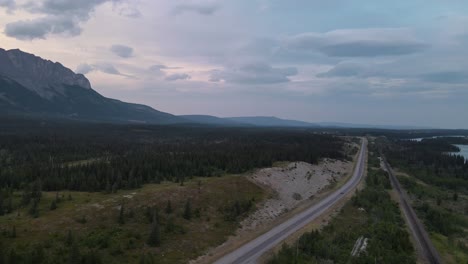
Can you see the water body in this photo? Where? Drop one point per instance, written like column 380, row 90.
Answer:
column 463, row 151
column 463, row 148
column 419, row 139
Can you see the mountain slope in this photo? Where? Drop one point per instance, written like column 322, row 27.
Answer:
column 270, row 121
column 30, row 85
column 212, row 120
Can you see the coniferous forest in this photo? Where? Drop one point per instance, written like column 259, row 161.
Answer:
column 107, row 158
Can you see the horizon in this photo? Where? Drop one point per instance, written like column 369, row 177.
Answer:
column 382, row 64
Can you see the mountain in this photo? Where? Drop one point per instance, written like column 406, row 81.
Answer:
column 30, row 85
column 270, row 121
column 212, row 120
column 351, row 125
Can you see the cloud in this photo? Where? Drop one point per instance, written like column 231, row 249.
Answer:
column 448, row 77
column 357, row 42
column 84, row 68
column 8, row 4
column 127, row 10
column 255, row 73
column 102, row 67
column 122, row 51
column 60, row 17
column 162, row 67
column 343, row 70
column 177, row 76
column 205, row 9
column 38, row 28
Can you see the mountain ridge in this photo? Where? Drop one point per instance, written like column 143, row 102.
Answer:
column 30, row 85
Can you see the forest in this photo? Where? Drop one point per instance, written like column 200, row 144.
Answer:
column 107, row 158
column 429, row 161
column 437, row 184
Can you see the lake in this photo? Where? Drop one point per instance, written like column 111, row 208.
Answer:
column 463, row 151
column 463, row 148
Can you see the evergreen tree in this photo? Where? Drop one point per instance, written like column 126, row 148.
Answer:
column 170, row 227
column 121, row 215
column 12, row 257
column 9, row 206
column 74, row 255
column 146, row 259
column 37, row 255
column 1, row 204
column 114, row 187
column 108, row 188
column 154, row 238
column 187, row 210
column 53, row 205
column 69, row 240
column 34, row 211
column 169, row 207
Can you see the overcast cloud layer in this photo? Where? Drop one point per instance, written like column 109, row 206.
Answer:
column 399, row 62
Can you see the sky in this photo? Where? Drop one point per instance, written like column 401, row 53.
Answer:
column 357, row 61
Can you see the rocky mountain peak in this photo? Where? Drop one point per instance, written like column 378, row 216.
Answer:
column 44, row 77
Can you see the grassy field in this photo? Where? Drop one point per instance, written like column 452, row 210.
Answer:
column 444, row 216
column 93, row 219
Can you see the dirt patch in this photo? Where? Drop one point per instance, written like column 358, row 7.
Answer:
column 291, row 185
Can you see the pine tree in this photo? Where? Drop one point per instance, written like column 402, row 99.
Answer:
column 114, row 187
column 34, row 211
column 108, row 187
column 187, row 211
column 74, row 256
column 121, row 215
column 9, row 206
column 53, row 205
column 146, row 259
column 169, row 207
column 69, row 240
column 1, row 204
column 154, row 238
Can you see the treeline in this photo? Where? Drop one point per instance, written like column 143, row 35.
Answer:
column 134, row 156
column 429, row 161
column 371, row 214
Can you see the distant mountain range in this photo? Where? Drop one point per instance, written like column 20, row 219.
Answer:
column 259, row 121
column 35, row 87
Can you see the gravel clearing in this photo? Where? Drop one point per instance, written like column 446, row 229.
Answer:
column 292, row 184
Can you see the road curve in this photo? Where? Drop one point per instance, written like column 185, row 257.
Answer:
column 417, row 229
column 251, row 251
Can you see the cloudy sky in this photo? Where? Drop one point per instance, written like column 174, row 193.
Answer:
column 363, row 61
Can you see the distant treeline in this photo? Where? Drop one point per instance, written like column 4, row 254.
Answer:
column 107, row 157
column 429, row 161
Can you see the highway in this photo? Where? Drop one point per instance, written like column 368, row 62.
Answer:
column 253, row 250
column 417, row 229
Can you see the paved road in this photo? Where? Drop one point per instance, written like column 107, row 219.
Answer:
column 417, row 229
column 250, row 252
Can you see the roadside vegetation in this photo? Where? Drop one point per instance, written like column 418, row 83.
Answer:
column 437, row 185
column 158, row 223
column 371, row 215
